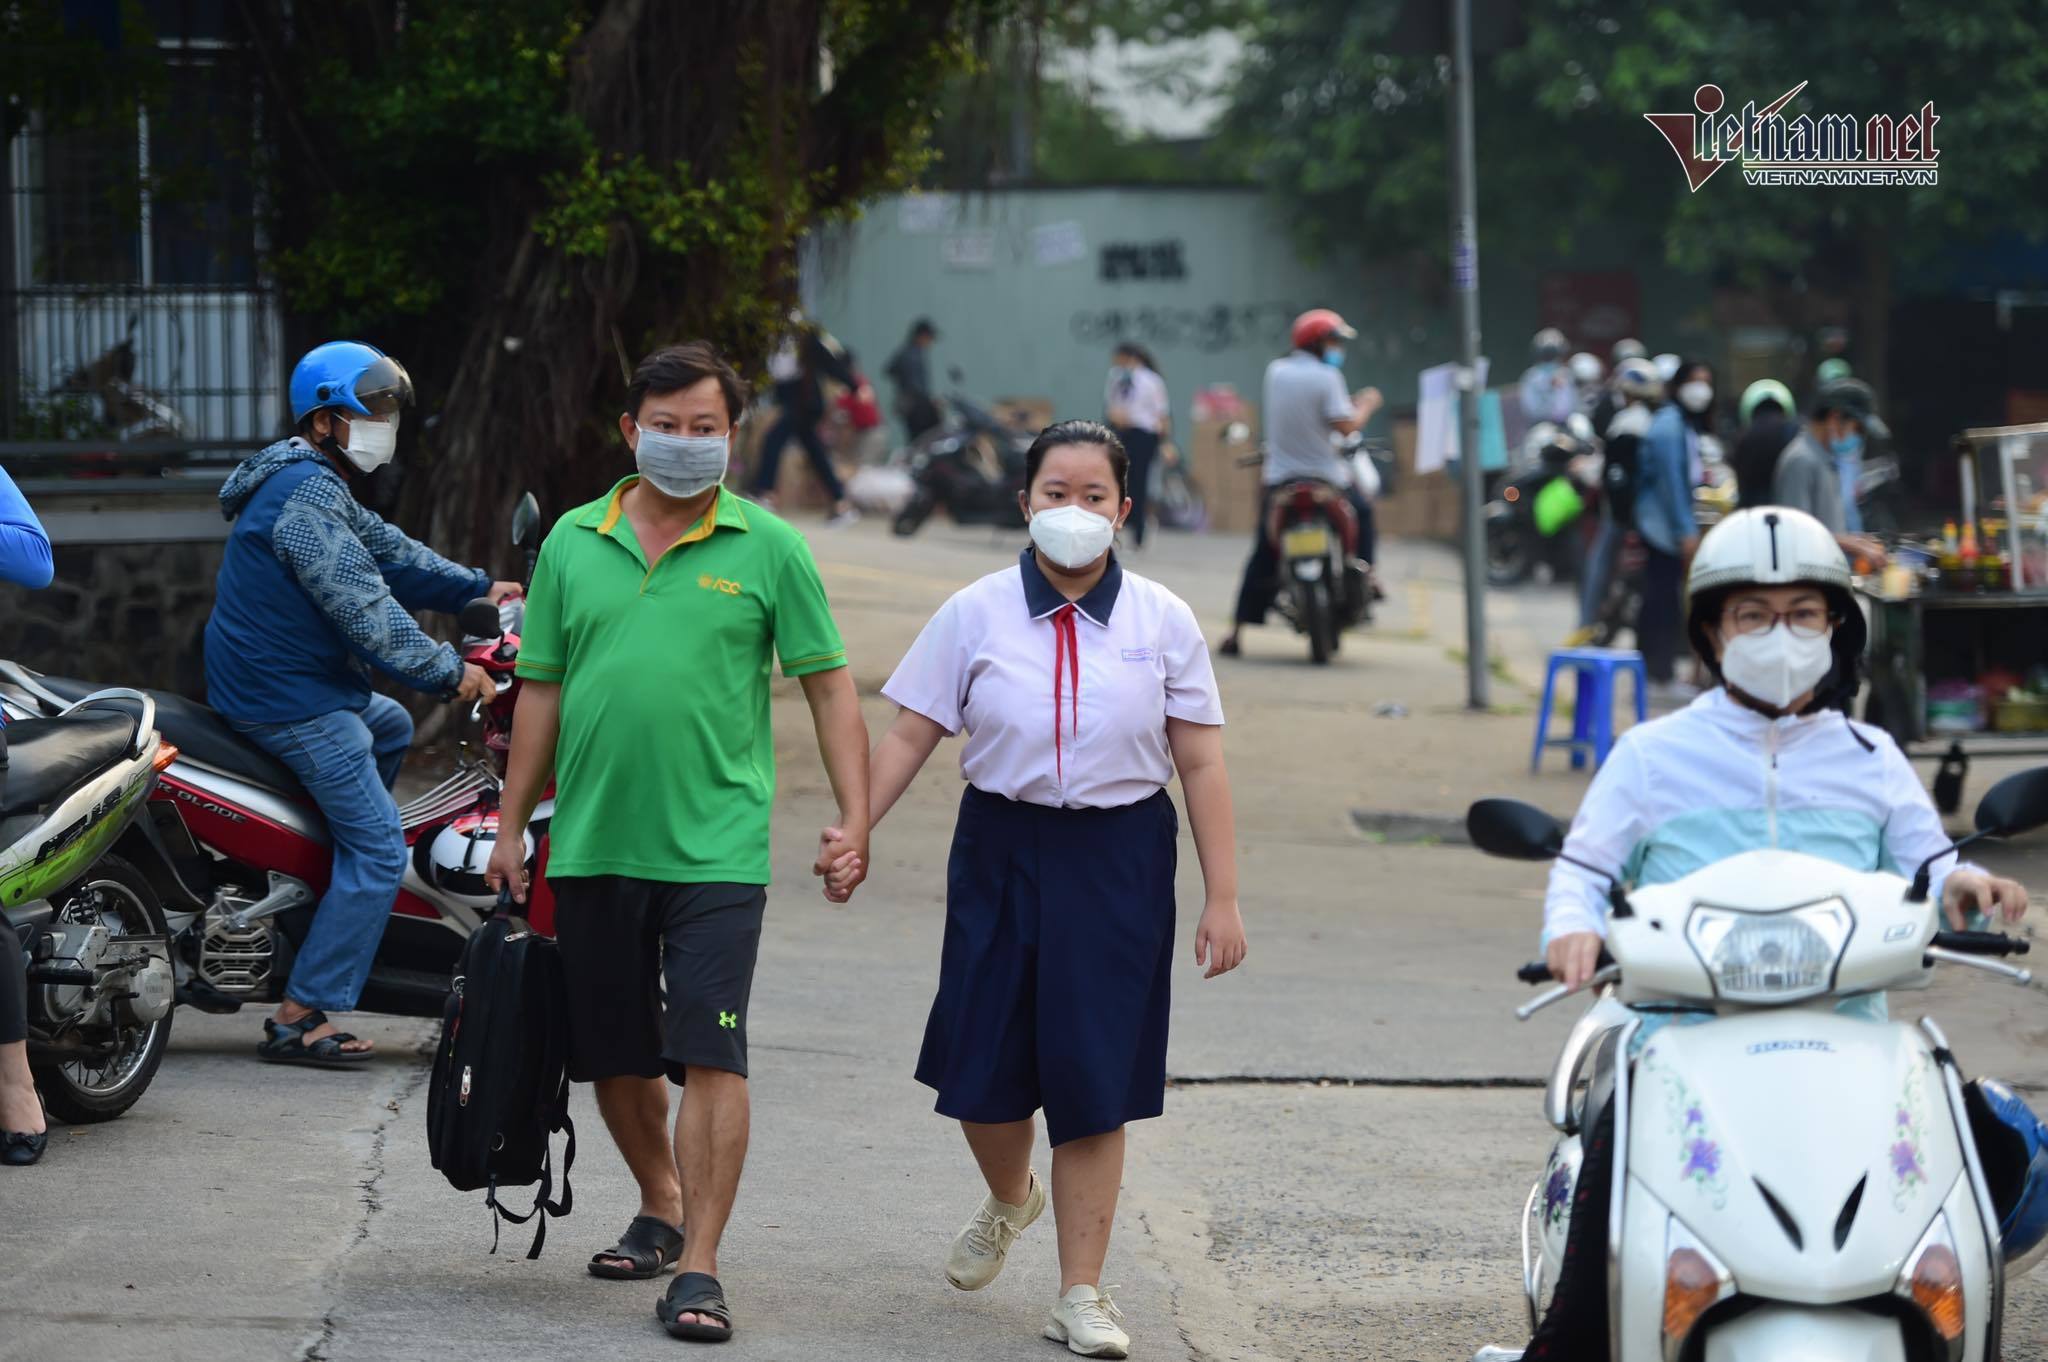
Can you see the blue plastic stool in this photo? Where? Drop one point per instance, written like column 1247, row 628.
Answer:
column 1592, row 702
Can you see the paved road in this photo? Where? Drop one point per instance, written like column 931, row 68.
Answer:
column 1328, row 1181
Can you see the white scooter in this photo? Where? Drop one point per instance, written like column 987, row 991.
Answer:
column 1787, row 1182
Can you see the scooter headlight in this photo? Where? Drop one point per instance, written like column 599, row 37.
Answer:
column 1694, row 1283
column 1933, row 1280
column 1771, row 957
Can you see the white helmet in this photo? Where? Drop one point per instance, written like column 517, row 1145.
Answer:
column 1776, row 546
column 1586, row 367
column 456, row 857
column 1666, row 365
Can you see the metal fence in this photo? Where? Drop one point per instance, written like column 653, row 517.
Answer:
column 138, row 328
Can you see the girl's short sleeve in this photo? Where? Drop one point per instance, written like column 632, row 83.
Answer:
column 932, row 677
column 1191, row 692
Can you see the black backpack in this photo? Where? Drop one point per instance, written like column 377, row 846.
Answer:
column 500, row 1085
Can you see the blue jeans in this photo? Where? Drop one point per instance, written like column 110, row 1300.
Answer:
column 348, row 762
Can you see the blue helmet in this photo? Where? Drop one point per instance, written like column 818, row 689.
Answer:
column 351, row 376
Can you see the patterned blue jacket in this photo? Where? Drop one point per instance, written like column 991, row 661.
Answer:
column 314, row 589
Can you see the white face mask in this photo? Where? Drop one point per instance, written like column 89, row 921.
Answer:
column 371, row 443
column 1777, row 666
column 681, row 466
column 1696, row 396
column 1072, row 536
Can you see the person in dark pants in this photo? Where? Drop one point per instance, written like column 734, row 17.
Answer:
column 1140, row 413
column 799, row 366
column 910, row 370
column 1664, row 518
column 1054, row 978
column 24, row 559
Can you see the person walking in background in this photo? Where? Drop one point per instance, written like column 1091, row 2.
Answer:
column 799, row 366
column 1767, row 427
column 314, row 590
column 1808, row 472
column 1664, row 518
column 1634, row 384
column 1305, row 406
column 1140, row 413
column 655, row 613
column 1056, row 971
column 24, row 1130
column 909, row 370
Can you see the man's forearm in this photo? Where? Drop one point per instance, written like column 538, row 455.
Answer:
column 842, row 743
column 536, row 724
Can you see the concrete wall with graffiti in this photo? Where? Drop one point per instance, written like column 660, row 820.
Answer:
column 1031, row 288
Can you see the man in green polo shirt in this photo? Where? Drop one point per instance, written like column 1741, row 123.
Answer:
column 653, row 617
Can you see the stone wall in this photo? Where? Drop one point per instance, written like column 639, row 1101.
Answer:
column 131, row 614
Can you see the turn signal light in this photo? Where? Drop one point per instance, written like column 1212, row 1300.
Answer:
column 1511, row 493
column 1938, row 1290
column 165, row 755
column 1692, row 1285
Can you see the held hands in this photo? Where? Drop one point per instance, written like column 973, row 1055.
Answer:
column 842, row 863
column 1991, row 895
column 507, row 866
column 1219, row 939
column 501, row 591
column 1573, row 957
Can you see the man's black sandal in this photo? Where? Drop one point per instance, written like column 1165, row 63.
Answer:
column 652, row 1246
column 285, row 1043
column 695, row 1293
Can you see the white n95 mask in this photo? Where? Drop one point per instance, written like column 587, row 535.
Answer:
column 1072, row 536
column 1777, row 666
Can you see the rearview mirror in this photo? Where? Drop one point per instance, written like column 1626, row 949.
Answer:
column 2018, row 803
column 1510, row 828
column 525, row 517
column 479, row 619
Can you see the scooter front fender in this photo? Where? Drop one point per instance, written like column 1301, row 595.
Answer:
column 1779, row 1333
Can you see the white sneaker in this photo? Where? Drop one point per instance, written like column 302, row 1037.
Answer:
column 1088, row 1322
column 979, row 1251
column 839, row 520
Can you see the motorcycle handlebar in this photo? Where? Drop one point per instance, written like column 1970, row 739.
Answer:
column 1538, row 971
column 1982, row 943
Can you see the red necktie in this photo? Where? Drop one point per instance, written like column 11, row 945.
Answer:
column 1066, row 648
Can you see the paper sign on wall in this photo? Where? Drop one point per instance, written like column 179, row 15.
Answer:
column 975, row 250
column 1058, row 243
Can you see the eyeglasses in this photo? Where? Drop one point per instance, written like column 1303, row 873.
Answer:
column 1805, row 621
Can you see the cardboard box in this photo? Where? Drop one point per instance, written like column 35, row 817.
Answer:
column 1231, row 494
column 1024, row 413
column 1424, row 505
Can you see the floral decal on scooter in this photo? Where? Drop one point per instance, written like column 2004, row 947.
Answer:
column 1557, row 1194
column 1909, row 1168
column 1699, row 1151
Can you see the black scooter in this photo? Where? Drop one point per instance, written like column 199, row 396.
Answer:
column 972, row 466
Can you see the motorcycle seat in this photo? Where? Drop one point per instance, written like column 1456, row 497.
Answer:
column 199, row 733
column 48, row 758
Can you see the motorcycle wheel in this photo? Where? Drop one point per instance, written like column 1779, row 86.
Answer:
column 914, row 513
column 1510, row 557
column 1319, row 622
column 84, row 1091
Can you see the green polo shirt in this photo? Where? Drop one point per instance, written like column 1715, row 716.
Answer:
column 665, row 769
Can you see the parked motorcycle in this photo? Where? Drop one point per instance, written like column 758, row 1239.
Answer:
column 81, row 863
column 1786, row 1181
column 972, row 466
column 1536, row 520
column 251, row 849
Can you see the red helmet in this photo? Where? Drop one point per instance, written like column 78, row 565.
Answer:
column 1318, row 325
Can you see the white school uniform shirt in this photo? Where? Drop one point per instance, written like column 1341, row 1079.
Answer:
column 1142, row 395
column 1003, row 654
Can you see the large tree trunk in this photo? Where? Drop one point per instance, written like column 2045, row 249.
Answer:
column 1871, row 340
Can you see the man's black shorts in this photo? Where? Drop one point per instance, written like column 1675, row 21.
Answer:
column 622, row 940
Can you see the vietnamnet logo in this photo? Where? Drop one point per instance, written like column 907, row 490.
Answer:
column 1834, row 149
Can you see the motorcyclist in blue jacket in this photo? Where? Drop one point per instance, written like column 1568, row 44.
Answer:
column 315, row 592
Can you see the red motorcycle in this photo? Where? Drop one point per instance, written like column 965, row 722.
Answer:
column 249, row 851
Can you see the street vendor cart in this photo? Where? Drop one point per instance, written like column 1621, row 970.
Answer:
column 1959, row 624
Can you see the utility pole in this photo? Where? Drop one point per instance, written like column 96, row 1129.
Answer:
column 1465, row 284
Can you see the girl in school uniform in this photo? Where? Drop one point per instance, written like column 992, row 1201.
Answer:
column 1082, row 689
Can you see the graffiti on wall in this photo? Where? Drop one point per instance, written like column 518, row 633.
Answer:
column 1143, row 260
column 1219, row 326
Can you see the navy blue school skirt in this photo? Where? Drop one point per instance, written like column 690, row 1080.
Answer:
column 1054, row 980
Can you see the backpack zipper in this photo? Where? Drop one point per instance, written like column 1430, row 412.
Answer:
column 464, row 1101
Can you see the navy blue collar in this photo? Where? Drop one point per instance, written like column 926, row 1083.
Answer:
column 1041, row 597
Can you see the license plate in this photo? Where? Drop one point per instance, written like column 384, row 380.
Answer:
column 1305, row 543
